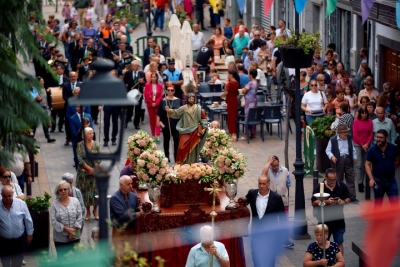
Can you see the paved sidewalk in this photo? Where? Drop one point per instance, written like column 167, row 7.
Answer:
column 56, row 159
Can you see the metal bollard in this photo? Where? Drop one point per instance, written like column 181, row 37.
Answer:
column 315, row 178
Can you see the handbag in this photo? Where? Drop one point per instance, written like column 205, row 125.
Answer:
column 243, row 102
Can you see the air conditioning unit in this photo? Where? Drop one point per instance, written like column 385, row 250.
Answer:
column 353, row 62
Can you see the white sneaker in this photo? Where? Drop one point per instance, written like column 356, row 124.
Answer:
column 23, row 263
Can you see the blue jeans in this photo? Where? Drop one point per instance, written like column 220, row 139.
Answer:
column 310, row 119
column 159, row 18
column 385, row 186
column 337, row 235
column 21, row 181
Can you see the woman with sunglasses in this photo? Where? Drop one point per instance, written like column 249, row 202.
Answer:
column 168, row 125
column 313, row 103
column 66, row 218
column 363, row 132
column 369, row 89
column 5, row 178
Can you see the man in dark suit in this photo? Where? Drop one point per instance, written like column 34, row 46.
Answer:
column 68, row 90
column 148, row 51
column 84, row 68
column 77, row 128
column 269, row 230
column 134, row 79
column 85, row 52
column 111, row 112
column 117, row 54
column 59, row 81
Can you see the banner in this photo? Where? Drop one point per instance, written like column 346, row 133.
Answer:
column 267, row 6
column 299, row 5
column 330, row 7
column 241, row 4
column 366, row 6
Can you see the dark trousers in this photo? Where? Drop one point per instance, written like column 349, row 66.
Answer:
column 112, row 113
column 63, row 248
column 45, row 130
column 139, row 114
column 167, row 137
column 74, row 145
column 212, row 22
column 21, row 181
column 61, row 114
column 200, row 17
column 68, row 134
column 12, row 251
column 94, row 112
column 345, row 170
column 129, row 113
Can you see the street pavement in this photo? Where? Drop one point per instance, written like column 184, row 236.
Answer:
column 55, row 159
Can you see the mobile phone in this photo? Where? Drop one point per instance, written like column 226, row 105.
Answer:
column 335, row 198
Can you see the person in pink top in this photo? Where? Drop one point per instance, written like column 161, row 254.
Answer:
column 339, row 100
column 363, row 132
column 153, row 94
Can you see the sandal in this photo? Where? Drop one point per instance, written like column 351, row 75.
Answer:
column 87, row 218
column 243, row 138
column 96, row 216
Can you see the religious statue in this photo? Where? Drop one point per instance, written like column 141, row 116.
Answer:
column 192, row 127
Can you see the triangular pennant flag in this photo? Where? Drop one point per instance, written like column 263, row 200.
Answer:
column 366, row 6
column 381, row 220
column 299, row 5
column 241, row 4
column 398, row 13
column 330, row 7
column 267, row 6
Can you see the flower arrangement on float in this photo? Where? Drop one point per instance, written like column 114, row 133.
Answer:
column 196, row 171
column 139, row 143
column 229, row 166
column 152, row 168
column 216, row 140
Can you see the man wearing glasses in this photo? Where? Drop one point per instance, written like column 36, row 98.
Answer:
column 381, row 122
column 381, row 163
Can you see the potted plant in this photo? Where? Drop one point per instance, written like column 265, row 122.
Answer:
column 229, row 166
column 322, row 130
column 297, row 51
column 39, row 209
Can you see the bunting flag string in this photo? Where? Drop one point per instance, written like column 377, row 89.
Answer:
column 398, row 13
column 267, row 6
column 299, row 5
column 366, row 6
column 330, row 7
column 241, row 4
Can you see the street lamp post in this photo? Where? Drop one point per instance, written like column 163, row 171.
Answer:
column 103, row 89
column 149, row 32
column 300, row 222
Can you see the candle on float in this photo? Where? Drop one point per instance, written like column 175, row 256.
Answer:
column 321, row 189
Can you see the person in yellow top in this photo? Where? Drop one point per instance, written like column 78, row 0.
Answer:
column 217, row 7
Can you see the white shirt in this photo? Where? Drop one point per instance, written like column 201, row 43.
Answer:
column 261, row 77
column 20, row 158
column 287, row 31
column 261, row 204
column 197, row 40
column 314, row 101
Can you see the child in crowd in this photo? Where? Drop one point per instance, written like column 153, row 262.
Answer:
column 371, row 110
column 329, row 106
column 66, row 12
column 245, row 50
column 352, row 98
column 339, row 100
column 229, row 57
column 215, row 79
column 90, row 13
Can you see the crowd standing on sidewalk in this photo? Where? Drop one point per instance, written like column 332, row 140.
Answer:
column 358, row 151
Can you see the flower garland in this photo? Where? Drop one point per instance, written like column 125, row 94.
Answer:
column 139, row 143
column 216, row 140
column 196, row 171
column 229, row 165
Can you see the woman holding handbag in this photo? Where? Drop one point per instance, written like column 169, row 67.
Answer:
column 153, row 93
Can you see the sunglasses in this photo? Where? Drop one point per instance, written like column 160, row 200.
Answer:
column 5, row 176
column 313, row 85
column 368, row 84
column 169, row 90
column 62, row 189
column 363, row 113
column 330, row 64
column 256, row 35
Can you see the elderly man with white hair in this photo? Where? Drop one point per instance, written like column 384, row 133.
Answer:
column 199, row 255
column 135, row 79
column 124, row 210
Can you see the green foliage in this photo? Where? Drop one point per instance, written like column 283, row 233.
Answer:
column 129, row 14
column 18, row 111
column 39, row 203
column 322, row 127
column 307, row 41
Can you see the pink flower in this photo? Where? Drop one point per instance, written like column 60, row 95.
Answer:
column 142, row 143
column 141, row 162
column 216, row 135
column 223, row 141
column 237, row 173
column 230, row 170
column 156, row 161
column 212, row 139
column 162, row 171
column 197, row 176
column 221, row 164
column 145, row 177
column 221, row 170
column 159, row 177
column 225, row 152
column 152, row 171
column 228, row 162
column 136, row 151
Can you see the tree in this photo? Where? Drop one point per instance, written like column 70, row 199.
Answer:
column 18, row 112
